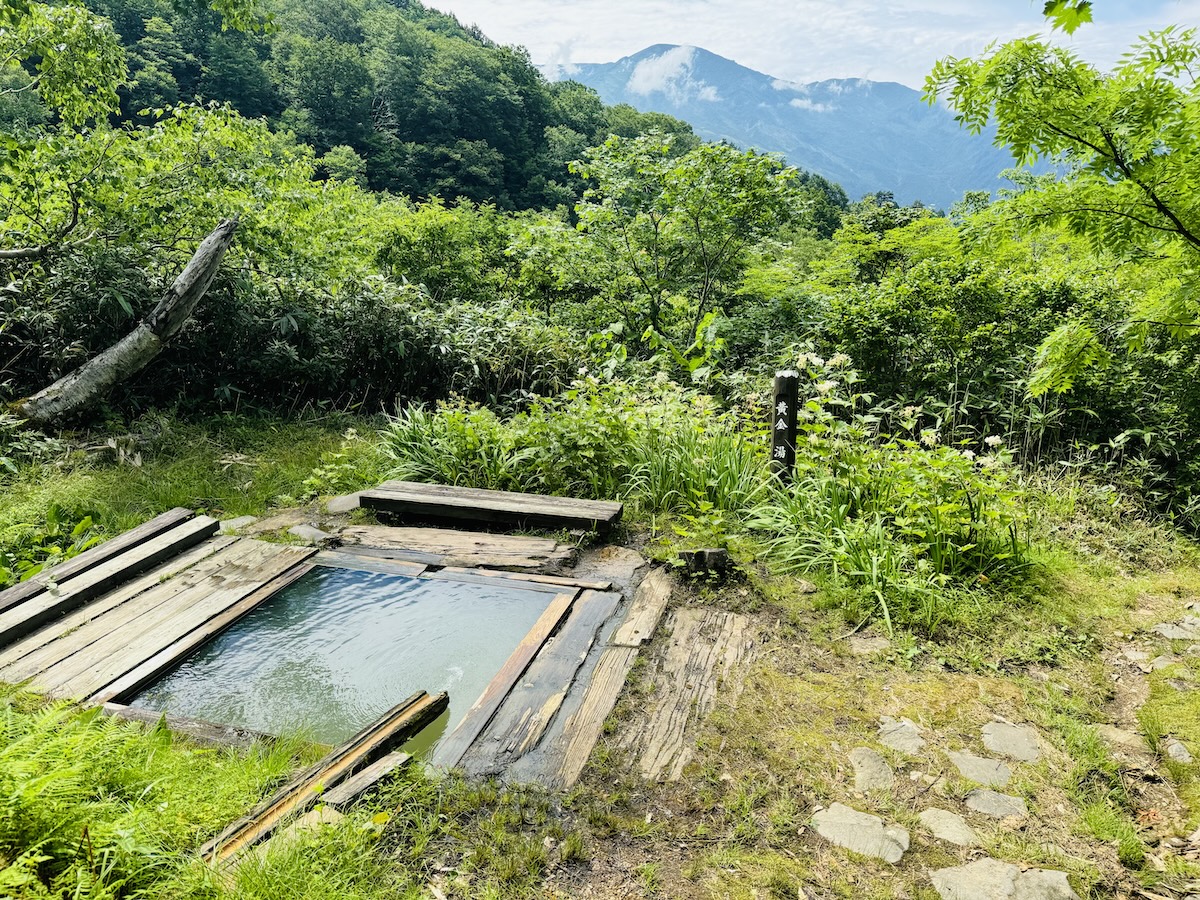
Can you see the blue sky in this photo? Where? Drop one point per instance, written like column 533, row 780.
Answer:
column 805, row 40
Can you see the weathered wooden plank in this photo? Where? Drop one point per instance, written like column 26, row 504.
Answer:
column 466, row 576
column 103, row 604
column 583, row 728
column 558, row 580
column 197, row 730
column 135, row 679
column 498, row 507
column 449, row 547
column 56, row 599
column 391, row 730
column 645, row 610
column 452, row 748
column 535, row 700
column 340, row 559
column 126, row 647
column 705, row 647
column 77, row 630
column 347, row 793
column 89, row 559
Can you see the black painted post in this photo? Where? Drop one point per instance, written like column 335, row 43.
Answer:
column 783, row 424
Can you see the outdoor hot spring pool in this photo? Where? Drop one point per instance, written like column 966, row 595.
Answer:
column 331, row 652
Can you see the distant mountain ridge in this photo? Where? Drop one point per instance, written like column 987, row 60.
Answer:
column 866, row 135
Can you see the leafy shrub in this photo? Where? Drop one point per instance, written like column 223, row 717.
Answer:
column 902, row 520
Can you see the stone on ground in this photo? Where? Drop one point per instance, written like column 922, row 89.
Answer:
column 871, row 771
column 342, row 504
column 997, row 805
column 237, row 524
column 988, row 772
column 1119, row 736
column 1178, row 752
column 868, row 646
column 1014, row 741
column 950, row 827
column 861, row 832
column 902, row 735
column 309, row 533
column 1186, row 630
column 991, row 879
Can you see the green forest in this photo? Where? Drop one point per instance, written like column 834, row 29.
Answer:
column 447, row 269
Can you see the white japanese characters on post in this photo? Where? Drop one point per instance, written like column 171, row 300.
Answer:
column 783, row 431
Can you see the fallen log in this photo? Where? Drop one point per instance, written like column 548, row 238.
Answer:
column 85, row 386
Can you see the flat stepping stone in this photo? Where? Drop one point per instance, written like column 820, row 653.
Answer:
column 342, row 504
column 868, row 646
column 1014, row 741
column 861, row 833
column 309, row 533
column 871, row 771
column 991, row 879
column 1186, row 630
column 980, row 769
column 902, row 735
column 950, row 827
column 1120, row 737
column 1178, row 752
column 997, row 805
column 237, row 524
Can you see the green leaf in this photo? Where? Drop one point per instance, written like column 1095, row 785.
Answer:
column 1068, row 14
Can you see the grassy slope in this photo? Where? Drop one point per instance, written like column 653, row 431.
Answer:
column 736, row 825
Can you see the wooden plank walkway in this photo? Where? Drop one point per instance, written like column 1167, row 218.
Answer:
column 451, row 547
column 443, row 502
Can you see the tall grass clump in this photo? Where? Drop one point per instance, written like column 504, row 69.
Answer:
column 663, row 447
column 912, row 529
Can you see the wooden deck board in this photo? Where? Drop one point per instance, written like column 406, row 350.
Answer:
column 196, row 730
column 148, row 670
column 452, row 748
column 34, row 652
column 89, row 559
column 347, row 793
column 123, row 606
column 536, row 698
column 490, row 507
column 56, row 599
column 705, row 646
column 123, row 648
column 646, row 609
column 391, row 730
column 450, row 547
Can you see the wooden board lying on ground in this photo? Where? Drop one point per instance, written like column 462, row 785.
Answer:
column 438, row 501
column 57, row 599
column 452, row 748
column 391, row 730
column 705, row 647
column 89, row 559
column 534, row 701
column 193, row 729
column 450, row 547
column 347, row 793
column 103, row 650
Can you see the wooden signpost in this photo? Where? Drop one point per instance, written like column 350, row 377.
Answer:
column 783, row 424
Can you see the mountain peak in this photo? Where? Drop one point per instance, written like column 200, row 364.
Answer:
column 868, row 136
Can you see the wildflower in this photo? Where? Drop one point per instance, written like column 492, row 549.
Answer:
column 838, row 360
column 989, row 462
column 993, row 441
column 801, row 360
column 930, row 438
column 824, row 387
column 968, row 454
column 815, row 360
column 911, row 412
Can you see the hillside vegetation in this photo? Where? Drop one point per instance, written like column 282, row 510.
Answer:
column 446, row 269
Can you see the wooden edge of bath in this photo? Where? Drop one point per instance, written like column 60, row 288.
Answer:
column 89, row 559
column 389, row 731
column 352, row 558
column 559, row 580
column 453, row 748
column 197, row 730
column 51, row 603
column 146, row 671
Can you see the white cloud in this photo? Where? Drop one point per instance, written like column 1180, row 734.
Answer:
column 811, row 105
column 806, row 40
column 670, row 73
